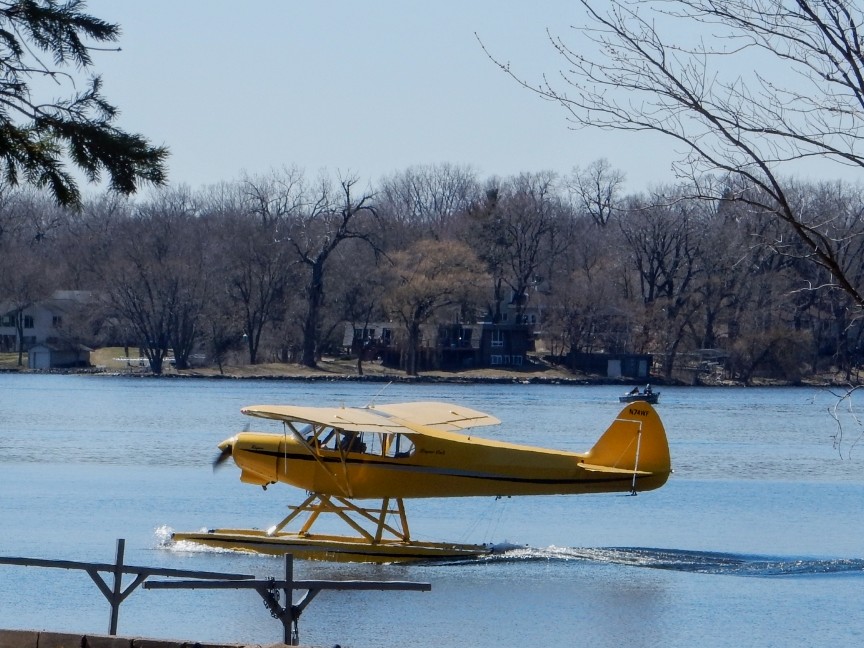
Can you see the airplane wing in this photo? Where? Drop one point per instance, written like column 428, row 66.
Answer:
column 350, row 419
column 446, row 417
column 397, row 418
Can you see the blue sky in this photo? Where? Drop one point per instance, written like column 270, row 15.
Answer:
column 369, row 88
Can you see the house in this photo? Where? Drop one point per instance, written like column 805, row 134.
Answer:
column 506, row 344
column 367, row 339
column 452, row 346
column 51, row 356
column 612, row 365
column 459, row 346
column 44, row 322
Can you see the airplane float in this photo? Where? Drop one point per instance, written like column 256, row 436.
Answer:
column 389, row 453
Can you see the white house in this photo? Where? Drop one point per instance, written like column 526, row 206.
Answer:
column 44, row 322
column 48, row 356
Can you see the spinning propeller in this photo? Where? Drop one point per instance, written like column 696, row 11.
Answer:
column 224, row 454
column 226, row 448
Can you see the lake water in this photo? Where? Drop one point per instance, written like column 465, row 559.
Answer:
column 756, row 540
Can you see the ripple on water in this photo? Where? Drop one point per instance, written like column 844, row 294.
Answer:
column 700, row 562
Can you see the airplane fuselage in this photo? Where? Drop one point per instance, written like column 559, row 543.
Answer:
column 445, row 464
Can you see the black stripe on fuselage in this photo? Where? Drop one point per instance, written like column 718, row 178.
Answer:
column 418, row 469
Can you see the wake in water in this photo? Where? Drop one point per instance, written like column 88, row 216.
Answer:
column 166, row 542
column 700, row 562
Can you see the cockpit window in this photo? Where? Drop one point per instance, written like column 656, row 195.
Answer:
column 351, row 442
column 399, row 446
column 385, row 444
column 326, row 438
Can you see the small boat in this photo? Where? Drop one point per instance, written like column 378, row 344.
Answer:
column 646, row 395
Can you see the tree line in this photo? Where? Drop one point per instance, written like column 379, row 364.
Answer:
column 270, row 267
column 764, row 270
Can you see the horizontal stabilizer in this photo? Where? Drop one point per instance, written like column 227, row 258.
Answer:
column 609, row 469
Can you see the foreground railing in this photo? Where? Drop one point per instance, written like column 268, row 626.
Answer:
column 268, row 589
column 289, row 614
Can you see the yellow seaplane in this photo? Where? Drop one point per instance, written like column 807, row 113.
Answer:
column 388, row 453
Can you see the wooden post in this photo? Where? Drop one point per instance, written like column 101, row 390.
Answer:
column 117, row 592
column 290, row 637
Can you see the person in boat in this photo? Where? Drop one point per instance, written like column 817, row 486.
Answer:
column 648, row 391
column 633, row 391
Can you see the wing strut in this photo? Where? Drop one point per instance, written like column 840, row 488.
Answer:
column 370, row 523
column 345, row 488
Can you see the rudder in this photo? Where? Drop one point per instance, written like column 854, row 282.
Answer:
column 622, row 447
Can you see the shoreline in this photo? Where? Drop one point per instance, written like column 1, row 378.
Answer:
column 313, row 376
column 111, row 362
column 297, row 374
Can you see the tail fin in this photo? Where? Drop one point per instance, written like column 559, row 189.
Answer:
column 634, row 443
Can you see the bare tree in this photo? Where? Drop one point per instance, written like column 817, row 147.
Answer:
column 357, row 292
column 140, row 292
column 154, row 279
column 428, row 201
column 254, row 265
column 665, row 249
column 332, row 215
column 701, row 72
column 273, row 197
column 589, row 309
column 596, row 190
column 726, row 268
column 85, row 241
column 520, row 229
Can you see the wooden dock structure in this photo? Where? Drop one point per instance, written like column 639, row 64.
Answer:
column 268, row 589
